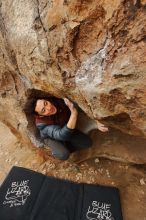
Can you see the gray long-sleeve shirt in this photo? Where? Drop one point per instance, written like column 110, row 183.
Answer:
column 55, row 132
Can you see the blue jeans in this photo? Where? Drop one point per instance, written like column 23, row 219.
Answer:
column 62, row 150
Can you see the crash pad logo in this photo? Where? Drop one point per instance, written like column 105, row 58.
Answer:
column 99, row 211
column 17, row 194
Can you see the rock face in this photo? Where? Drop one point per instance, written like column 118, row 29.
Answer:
column 93, row 52
column 132, row 185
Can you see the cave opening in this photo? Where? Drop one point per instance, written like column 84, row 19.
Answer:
column 84, row 123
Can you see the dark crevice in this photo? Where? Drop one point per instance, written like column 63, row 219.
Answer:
column 39, row 17
column 126, row 76
column 46, row 4
column 15, row 83
column 138, row 3
column 74, row 41
column 141, row 167
column 123, row 123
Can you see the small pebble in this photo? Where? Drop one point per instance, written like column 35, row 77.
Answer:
column 142, row 182
column 97, row 160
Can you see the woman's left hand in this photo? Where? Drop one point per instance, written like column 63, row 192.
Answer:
column 70, row 106
column 102, row 127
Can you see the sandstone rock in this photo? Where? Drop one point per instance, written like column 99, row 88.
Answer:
column 142, row 182
column 90, row 51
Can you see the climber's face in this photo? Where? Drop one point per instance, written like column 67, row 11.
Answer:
column 45, row 108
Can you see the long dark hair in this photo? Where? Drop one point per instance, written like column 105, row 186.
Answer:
column 29, row 108
column 32, row 97
column 30, row 105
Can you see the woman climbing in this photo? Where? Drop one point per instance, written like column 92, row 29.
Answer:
column 56, row 120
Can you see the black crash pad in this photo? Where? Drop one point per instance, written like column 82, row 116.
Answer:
column 28, row 195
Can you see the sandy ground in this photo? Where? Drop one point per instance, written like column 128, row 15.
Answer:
column 130, row 179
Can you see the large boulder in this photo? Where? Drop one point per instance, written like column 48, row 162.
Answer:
column 93, row 52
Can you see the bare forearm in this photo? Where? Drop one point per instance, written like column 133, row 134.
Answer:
column 72, row 120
